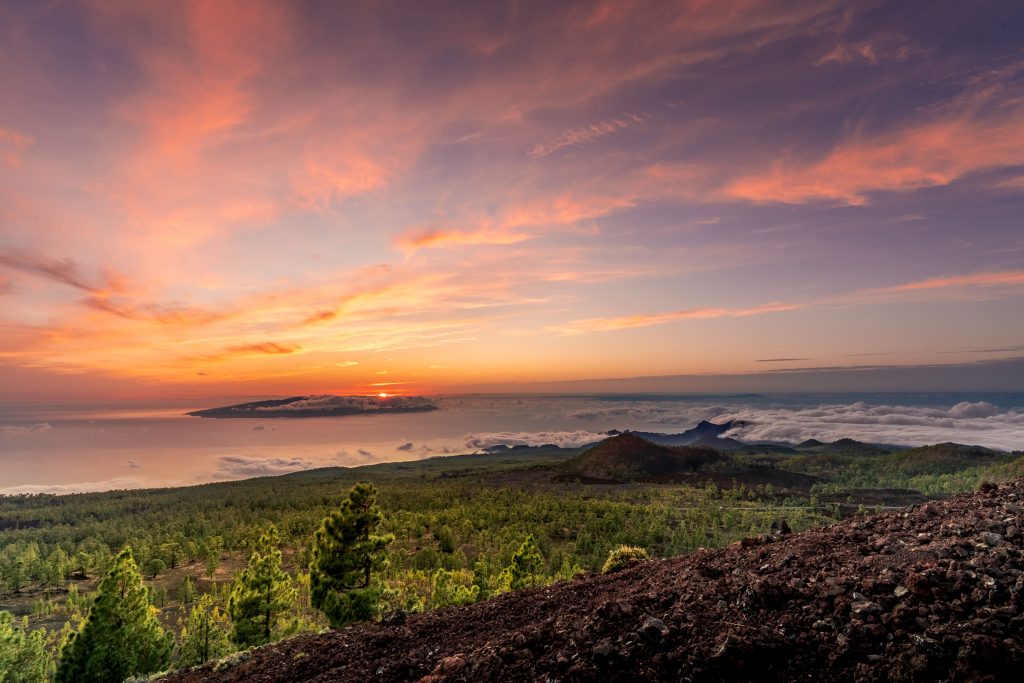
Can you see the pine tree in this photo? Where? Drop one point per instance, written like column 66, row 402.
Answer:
column 23, row 654
column 448, row 588
column 261, row 593
column 121, row 636
column 346, row 553
column 526, row 569
column 207, row 635
column 187, row 592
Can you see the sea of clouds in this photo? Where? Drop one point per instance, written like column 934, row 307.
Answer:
column 571, row 439
column 970, row 422
column 978, row 422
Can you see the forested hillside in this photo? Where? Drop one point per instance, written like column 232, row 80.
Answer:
column 459, row 529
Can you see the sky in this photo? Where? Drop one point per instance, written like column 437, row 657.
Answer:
column 211, row 198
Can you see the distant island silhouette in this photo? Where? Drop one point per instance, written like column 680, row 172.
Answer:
column 320, row 406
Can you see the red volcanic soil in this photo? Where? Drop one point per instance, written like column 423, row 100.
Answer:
column 933, row 592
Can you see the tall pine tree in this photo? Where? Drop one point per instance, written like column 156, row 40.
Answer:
column 527, row 568
column 121, row 637
column 261, row 593
column 207, row 635
column 346, row 553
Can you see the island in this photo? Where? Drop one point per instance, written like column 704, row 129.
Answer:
column 321, row 406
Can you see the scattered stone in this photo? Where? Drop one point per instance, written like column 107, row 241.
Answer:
column 395, row 618
column 654, row 630
column 992, row 540
column 604, row 651
column 865, row 607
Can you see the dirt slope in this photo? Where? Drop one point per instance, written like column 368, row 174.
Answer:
column 934, row 592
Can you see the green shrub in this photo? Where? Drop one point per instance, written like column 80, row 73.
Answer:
column 624, row 557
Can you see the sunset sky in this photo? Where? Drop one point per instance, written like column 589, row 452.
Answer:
column 216, row 198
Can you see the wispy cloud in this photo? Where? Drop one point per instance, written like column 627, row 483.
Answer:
column 518, row 222
column 13, row 145
column 21, row 430
column 979, row 129
column 985, row 279
column 578, row 136
column 243, row 467
column 1008, row 279
column 626, row 322
column 266, row 348
column 63, row 271
column 421, row 238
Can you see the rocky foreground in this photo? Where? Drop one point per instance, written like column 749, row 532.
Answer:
column 934, row 592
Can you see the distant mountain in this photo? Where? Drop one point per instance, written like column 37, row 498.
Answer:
column 632, row 458
column 848, row 447
column 704, row 429
column 944, row 458
column 321, row 406
column 721, row 443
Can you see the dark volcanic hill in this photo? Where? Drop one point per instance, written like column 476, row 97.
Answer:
column 631, row 458
column 945, row 458
column 849, row 447
column 933, row 592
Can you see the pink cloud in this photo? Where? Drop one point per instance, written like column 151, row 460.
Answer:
column 986, row 279
column 998, row 279
column 626, row 322
column 978, row 130
column 578, row 136
column 13, row 145
column 518, row 222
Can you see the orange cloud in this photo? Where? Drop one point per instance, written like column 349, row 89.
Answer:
column 265, row 348
column 200, row 68
column 987, row 279
column 517, row 222
column 980, row 129
column 440, row 237
column 626, row 322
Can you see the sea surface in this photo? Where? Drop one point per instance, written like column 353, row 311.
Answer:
column 66, row 448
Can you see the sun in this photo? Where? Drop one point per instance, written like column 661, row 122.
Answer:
column 382, row 394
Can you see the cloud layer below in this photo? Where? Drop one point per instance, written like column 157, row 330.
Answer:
column 973, row 423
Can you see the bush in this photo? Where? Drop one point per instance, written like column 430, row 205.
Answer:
column 624, row 557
